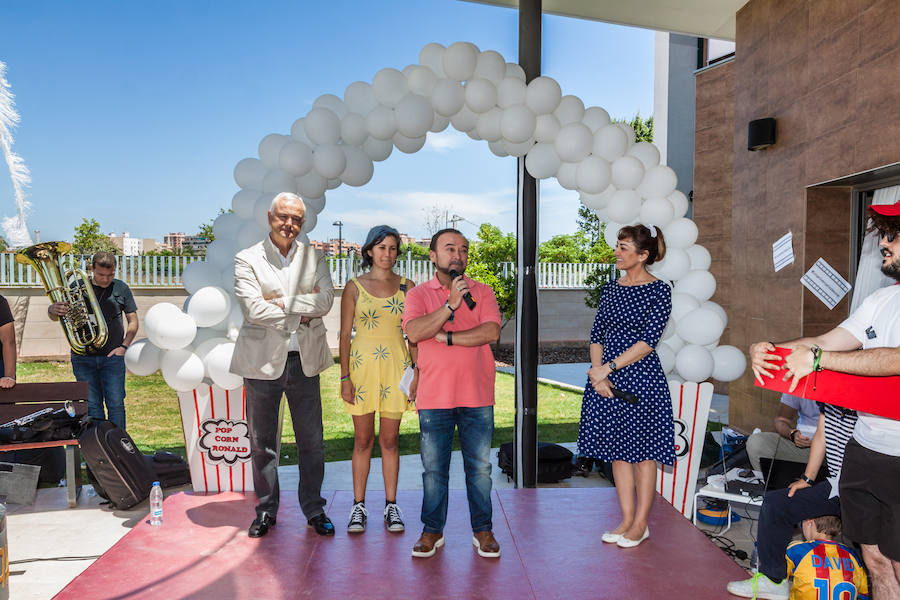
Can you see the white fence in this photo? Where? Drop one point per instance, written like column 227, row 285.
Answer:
column 165, row 271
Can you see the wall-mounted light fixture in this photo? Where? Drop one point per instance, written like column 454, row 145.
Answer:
column 761, row 134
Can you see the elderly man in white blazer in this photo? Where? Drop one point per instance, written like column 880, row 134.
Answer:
column 284, row 289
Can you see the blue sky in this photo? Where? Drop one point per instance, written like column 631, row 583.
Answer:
column 135, row 113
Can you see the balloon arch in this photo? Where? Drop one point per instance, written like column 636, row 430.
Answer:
column 479, row 93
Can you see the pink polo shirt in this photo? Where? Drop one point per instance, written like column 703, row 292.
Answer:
column 453, row 376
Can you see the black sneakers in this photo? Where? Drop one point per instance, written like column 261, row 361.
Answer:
column 358, row 516
column 392, row 519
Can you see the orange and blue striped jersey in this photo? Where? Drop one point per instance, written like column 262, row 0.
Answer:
column 824, row 570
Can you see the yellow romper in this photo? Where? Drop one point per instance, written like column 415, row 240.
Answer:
column 378, row 354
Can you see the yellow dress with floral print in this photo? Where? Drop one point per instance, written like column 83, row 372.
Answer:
column 378, row 354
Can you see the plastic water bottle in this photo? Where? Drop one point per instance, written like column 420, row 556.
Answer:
column 156, row 501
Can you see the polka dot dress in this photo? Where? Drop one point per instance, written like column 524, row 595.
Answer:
column 613, row 429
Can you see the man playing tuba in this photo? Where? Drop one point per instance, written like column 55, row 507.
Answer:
column 104, row 368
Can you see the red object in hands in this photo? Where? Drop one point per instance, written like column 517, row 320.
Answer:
column 876, row 395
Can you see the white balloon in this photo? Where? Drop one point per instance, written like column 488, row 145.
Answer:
column 353, row 130
column 699, row 284
column 701, row 326
column 682, row 304
column 656, row 211
column 646, row 152
column 333, row 183
column 359, row 98
column 142, row 357
column 314, row 204
column 680, row 233
column 226, row 283
column 497, row 148
column 597, row 201
column 432, row 56
column 488, row 125
column 389, row 86
column 332, row 103
column 679, row 203
column 611, row 233
column 421, row 80
column 413, row 116
column 196, row 275
column 567, row 175
column 181, row 369
column 447, row 97
column 210, row 341
column 459, row 60
column 250, row 234
column 694, row 363
column 249, row 173
column 515, row 71
column 666, row 357
column 261, row 210
column 329, row 160
column 298, row 132
column 440, row 123
column 510, row 91
column 627, row 172
column 242, row 203
column 610, row 143
column 729, row 363
column 309, row 222
column 592, row 174
column 629, row 132
column 378, row 150
column 700, row 257
column 543, row 95
column 542, row 161
column 295, row 158
column 218, row 366
column 220, row 254
column 209, row 306
column 518, row 149
column 672, row 378
column 380, row 123
column 570, row 110
column 270, row 147
column 674, row 266
column 517, row 123
column 716, row 308
column 323, row 126
column 359, row 168
column 595, row 118
column 491, row 66
column 169, row 329
column 659, row 181
column 311, row 185
column 481, row 95
column 573, row 143
column 277, row 181
column 546, row 129
column 465, row 120
column 408, row 145
column 624, row 206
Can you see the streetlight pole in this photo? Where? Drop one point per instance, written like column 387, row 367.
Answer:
column 339, row 225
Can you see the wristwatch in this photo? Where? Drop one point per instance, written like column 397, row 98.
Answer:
column 612, row 366
column 806, row 479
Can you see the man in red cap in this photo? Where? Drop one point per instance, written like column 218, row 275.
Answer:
column 866, row 343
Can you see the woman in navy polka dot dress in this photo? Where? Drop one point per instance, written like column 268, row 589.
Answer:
column 631, row 316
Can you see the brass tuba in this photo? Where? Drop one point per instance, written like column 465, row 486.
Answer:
column 84, row 325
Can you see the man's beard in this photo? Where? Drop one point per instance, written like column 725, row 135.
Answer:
column 446, row 270
column 892, row 270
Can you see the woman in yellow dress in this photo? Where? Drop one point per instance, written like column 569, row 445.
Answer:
column 372, row 364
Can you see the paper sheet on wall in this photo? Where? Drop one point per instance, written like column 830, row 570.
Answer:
column 783, row 251
column 826, row 283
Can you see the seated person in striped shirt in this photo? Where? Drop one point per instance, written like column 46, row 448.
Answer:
column 783, row 509
column 823, row 568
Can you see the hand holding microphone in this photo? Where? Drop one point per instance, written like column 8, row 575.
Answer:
column 462, row 285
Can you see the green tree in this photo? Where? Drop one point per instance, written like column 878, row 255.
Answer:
column 643, row 128
column 486, row 257
column 89, row 239
column 206, row 229
column 418, row 252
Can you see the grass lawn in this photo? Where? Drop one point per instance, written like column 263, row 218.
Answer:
column 155, row 424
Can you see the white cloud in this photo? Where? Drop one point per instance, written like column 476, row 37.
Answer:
column 445, row 140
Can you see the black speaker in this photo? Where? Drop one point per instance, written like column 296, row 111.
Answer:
column 761, row 134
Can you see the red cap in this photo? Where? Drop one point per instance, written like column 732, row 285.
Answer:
column 887, row 210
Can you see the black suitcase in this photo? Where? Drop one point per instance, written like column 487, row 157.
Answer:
column 554, row 461
column 171, row 470
column 122, row 474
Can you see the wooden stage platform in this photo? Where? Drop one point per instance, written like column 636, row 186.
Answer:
column 549, row 538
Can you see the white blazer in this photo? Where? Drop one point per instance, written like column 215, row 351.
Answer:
column 261, row 348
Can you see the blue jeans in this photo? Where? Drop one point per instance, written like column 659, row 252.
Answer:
column 106, row 384
column 476, row 428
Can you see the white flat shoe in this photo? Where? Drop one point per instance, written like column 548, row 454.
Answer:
column 609, row 537
column 624, row 542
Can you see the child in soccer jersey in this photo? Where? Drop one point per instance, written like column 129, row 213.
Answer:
column 823, row 569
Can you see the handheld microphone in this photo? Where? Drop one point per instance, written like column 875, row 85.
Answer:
column 467, row 297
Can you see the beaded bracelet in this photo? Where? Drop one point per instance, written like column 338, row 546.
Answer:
column 345, row 377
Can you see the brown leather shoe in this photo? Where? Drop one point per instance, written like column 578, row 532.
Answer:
column 427, row 544
column 486, row 544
